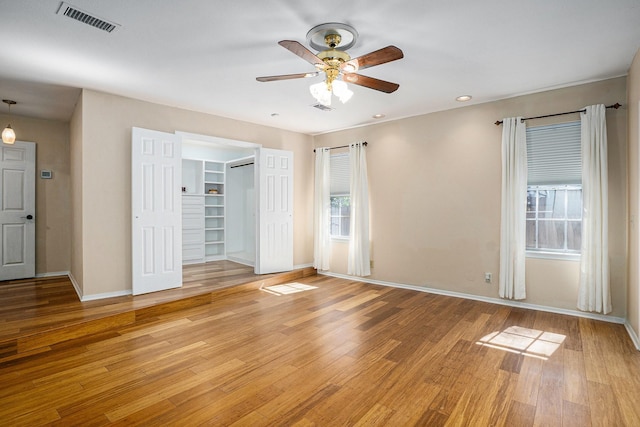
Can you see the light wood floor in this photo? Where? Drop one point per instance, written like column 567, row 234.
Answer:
column 343, row 353
column 37, row 313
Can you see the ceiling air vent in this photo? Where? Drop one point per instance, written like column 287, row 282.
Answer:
column 74, row 13
column 322, row 107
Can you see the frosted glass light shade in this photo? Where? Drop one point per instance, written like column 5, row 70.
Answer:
column 341, row 90
column 8, row 135
column 321, row 93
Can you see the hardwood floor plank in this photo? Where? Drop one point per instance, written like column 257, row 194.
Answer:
column 411, row 409
column 31, row 401
column 574, row 380
column 520, row 414
column 146, row 415
column 377, row 415
column 528, row 385
column 594, row 359
column 44, row 417
column 73, row 331
column 575, row 415
column 255, row 419
column 625, row 393
column 354, row 398
column 603, row 405
column 549, row 404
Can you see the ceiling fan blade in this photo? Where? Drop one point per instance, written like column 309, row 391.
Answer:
column 287, row 77
column 370, row 82
column 380, row 56
column 302, row 52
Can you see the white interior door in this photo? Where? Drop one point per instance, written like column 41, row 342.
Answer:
column 157, row 211
column 275, row 208
column 17, row 213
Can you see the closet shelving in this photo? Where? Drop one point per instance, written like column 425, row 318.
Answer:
column 214, row 210
column 203, row 183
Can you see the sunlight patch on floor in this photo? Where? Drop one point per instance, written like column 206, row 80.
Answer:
column 525, row 341
column 287, row 288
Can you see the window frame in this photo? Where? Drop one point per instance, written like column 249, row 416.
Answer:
column 554, row 160
column 340, row 217
column 548, row 253
column 339, row 188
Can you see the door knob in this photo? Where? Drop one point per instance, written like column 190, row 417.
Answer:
column 27, row 217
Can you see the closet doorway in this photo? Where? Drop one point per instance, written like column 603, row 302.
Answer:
column 237, row 203
column 241, row 210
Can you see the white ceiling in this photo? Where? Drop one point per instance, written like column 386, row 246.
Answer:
column 204, row 55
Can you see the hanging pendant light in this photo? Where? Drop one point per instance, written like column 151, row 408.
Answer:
column 8, row 134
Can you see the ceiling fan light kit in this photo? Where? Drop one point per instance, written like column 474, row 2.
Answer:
column 332, row 40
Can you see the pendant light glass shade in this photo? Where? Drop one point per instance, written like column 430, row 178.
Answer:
column 8, row 135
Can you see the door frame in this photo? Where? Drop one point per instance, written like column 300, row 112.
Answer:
column 204, row 139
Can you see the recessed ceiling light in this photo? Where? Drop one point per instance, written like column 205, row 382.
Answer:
column 378, row 116
column 463, row 98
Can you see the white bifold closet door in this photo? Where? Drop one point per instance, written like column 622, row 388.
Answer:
column 156, row 230
column 274, row 169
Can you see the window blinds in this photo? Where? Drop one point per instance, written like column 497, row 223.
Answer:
column 554, row 154
column 340, row 174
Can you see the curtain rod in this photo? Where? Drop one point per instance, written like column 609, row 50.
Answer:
column 616, row 106
column 342, row 146
column 239, row 166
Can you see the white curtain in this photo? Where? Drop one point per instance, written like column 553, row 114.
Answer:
column 514, row 202
column 359, row 259
column 593, row 292
column 322, row 210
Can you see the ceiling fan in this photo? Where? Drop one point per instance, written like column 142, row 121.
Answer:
column 336, row 64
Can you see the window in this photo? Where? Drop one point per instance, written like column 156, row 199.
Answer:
column 340, row 216
column 554, row 191
column 340, row 196
column 554, row 218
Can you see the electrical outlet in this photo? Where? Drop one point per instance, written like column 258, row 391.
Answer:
column 487, row 277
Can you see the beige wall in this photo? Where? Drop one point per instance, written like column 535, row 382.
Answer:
column 102, row 248
column 435, row 196
column 52, row 195
column 75, row 159
column 633, row 100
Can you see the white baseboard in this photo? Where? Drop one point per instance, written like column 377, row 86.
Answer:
column 301, row 266
column 75, row 285
column 241, row 261
column 52, row 274
column 94, row 297
column 511, row 303
column 632, row 335
column 105, row 295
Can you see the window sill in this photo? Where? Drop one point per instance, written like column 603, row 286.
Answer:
column 340, row 238
column 553, row 255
